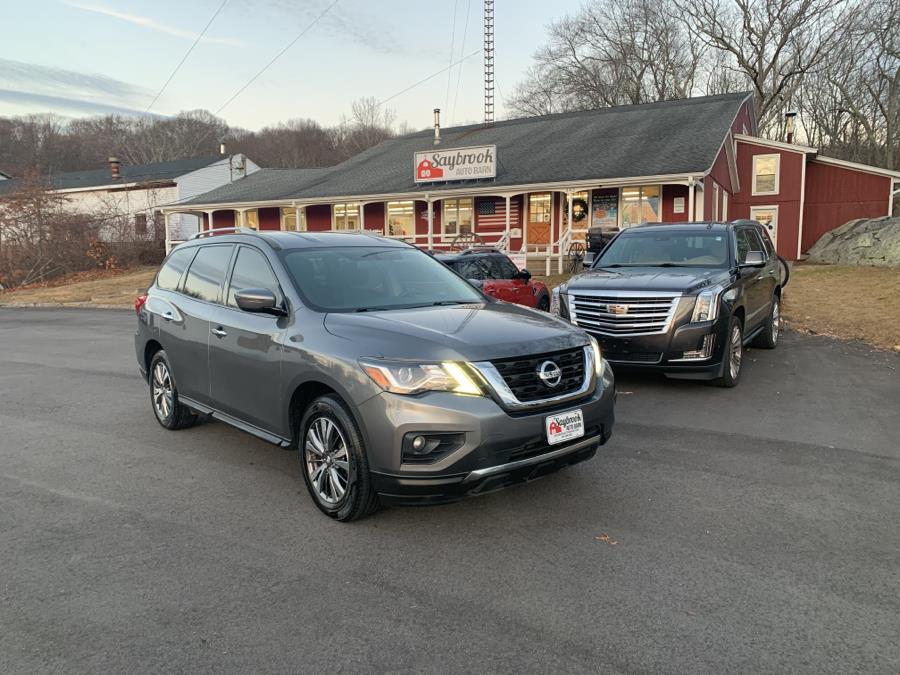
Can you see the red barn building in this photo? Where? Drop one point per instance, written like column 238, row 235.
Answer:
column 535, row 185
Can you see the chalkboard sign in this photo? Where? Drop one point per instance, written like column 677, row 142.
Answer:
column 605, row 209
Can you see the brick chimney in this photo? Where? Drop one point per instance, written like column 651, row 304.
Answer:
column 114, row 165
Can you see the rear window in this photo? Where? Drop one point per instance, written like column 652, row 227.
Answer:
column 170, row 273
column 207, row 272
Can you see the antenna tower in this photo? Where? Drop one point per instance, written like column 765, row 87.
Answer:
column 488, row 61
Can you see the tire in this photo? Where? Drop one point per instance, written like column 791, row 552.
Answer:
column 734, row 349
column 169, row 412
column 768, row 339
column 543, row 303
column 785, row 271
column 334, row 463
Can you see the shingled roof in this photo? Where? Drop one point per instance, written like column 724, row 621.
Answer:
column 135, row 173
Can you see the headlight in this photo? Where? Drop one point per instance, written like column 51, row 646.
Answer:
column 401, row 377
column 598, row 355
column 706, row 306
column 554, row 301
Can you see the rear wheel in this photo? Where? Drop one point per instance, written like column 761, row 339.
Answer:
column 169, row 412
column 335, row 467
column 734, row 355
column 768, row 339
column 544, row 303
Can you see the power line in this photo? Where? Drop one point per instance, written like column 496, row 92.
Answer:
column 276, row 57
column 430, row 77
column 452, row 46
column 459, row 70
column 186, row 55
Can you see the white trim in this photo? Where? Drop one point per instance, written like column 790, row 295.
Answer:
column 857, row 167
column 766, row 143
column 725, row 205
column 753, row 175
column 767, row 207
column 715, row 200
column 802, row 207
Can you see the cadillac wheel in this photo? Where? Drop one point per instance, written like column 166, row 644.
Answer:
column 335, row 468
column 734, row 355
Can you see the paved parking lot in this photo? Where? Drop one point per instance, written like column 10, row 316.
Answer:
column 753, row 530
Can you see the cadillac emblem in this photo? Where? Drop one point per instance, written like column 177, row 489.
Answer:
column 618, row 310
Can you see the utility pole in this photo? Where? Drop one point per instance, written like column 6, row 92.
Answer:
column 488, row 61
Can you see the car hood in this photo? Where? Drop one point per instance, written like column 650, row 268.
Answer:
column 672, row 279
column 476, row 332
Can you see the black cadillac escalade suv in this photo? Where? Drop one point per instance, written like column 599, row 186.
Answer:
column 681, row 298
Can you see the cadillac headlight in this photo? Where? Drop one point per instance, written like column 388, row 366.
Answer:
column 402, row 377
column 706, row 306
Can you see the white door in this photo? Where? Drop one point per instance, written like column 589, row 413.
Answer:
column 768, row 217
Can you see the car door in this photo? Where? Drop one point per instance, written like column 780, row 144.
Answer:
column 246, row 348
column 521, row 292
column 770, row 275
column 184, row 333
column 755, row 293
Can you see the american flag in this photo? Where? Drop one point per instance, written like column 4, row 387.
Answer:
column 491, row 212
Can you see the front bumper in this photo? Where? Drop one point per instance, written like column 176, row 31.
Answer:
column 664, row 352
column 499, row 448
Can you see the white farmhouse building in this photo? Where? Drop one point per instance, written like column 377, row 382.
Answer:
column 125, row 198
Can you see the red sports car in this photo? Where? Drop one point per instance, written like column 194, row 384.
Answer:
column 498, row 276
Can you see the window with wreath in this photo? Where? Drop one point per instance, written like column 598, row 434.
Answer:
column 457, row 216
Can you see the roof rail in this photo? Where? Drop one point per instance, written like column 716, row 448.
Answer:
column 217, row 230
column 480, row 249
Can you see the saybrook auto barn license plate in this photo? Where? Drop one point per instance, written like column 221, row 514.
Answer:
column 564, row 427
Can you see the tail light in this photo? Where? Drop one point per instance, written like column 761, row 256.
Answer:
column 139, row 303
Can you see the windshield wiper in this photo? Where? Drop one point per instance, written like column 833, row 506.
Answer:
column 439, row 303
column 373, row 309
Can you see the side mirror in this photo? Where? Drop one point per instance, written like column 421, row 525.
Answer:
column 524, row 275
column 257, row 300
column 754, row 259
column 477, row 283
column 588, row 260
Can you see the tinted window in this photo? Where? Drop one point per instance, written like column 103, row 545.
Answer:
column 174, row 267
column 500, row 267
column 746, row 242
column 470, row 269
column 370, row 278
column 763, row 234
column 649, row 249
column 251, row 270
column 204, row 278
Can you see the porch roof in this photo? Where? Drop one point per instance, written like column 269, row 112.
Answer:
column 670, row 138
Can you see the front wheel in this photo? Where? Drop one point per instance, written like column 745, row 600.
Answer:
column 768, row 339
column 734, row 355
column 335, row 467
column 544, row 303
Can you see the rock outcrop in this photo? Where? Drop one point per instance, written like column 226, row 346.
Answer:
column 867, row 241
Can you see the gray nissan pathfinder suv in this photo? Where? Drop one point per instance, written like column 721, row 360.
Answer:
column 395, row 378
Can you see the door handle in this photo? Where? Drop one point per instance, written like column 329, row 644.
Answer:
column 218, row 332
column 168, row 316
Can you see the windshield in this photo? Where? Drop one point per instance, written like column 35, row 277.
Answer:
column 666, row 249
column 371, row 278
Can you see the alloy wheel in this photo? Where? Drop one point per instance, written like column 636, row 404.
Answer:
column 163, row 390
column 736, row 350
column 327, row 460
column 776, row 320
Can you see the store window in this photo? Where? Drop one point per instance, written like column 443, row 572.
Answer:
column 346, row 217
column 580, row 210
column 251, row 217
column 401, row 219
column 640, row 205
column 457, row 216
column 289, row 221
column 765, row 174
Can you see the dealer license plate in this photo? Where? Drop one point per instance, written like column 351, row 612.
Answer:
column 564, row 426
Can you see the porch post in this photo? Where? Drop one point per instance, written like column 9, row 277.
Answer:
column 298, row 214
column 568, row 228
column 168, row 238
column 209, row 220
column 430, row 223
column 507, row 222
column 362, row 216
column 691, row 199
column 242, row 221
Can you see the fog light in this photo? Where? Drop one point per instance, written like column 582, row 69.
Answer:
column 704, row 352
column 429, row 447
column 418, row 443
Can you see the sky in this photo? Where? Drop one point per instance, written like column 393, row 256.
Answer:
column 87, row 57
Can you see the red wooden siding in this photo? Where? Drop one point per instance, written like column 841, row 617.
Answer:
column 836, row 195
column 269, row 218
column 669, row 193
column 223, row 219
column 787, row 200
column 374, row 216
column 744, row 120
column 318, row 218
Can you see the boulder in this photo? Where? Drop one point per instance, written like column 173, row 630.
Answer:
column 866, row 241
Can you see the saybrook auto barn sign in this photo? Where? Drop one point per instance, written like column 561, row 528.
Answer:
column 432, row 166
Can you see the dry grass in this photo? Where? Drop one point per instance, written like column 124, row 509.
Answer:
column 856, row 303
column 110, row 288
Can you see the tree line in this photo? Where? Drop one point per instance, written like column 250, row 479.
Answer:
column 44, row 144
column 834, row 62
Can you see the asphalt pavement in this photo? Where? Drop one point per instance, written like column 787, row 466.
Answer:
column 747, row 530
